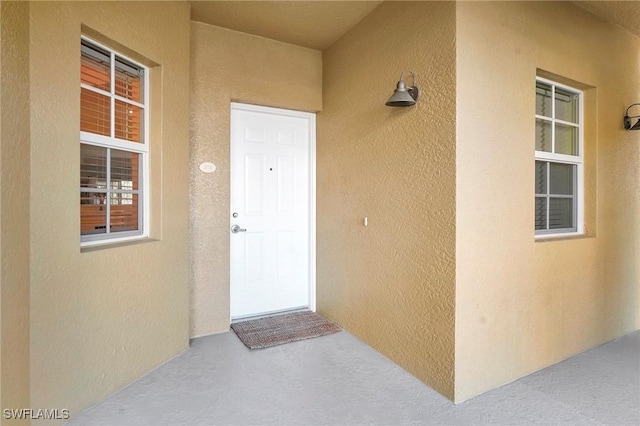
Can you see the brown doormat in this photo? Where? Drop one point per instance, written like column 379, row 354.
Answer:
column 280, row 329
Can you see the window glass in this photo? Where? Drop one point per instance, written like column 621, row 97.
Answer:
column 113, row 146
column 561, row 178
column 95, row 112
column 93, row 167
column 543, row 135
column 124, row 170
column 541, row 177
column 124, row 212
column 566, row 105
column 543, row 99
column 129, row 81
column 558, row 160
column 128, row 122
column 566, row 139
column 95, row 67
column 560, row 213
column 541, row 213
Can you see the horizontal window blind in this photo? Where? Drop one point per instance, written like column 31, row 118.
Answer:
column 112, row 115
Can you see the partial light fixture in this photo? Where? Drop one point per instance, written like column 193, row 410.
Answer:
column 627, row 119
column 404, row 96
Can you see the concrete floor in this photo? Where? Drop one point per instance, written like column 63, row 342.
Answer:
column 338, row 380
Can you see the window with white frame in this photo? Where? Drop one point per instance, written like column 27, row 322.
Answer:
column 114, row 148
column 558, row 159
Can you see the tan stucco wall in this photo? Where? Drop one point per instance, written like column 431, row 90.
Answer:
column 14, row 197
column 1, row 38
column 391, row 283
column 102, row 318
column 230, row 66
column 521, row 304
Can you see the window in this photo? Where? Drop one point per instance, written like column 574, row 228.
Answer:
column 114, row 148
column 558, row 159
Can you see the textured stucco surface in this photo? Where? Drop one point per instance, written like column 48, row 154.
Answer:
column 313, row 24
column 623, row 13
column 522, row 304
column 1, row 38
column 230, row 66
column 14, row 206
column 391, row 283
column 102, row 318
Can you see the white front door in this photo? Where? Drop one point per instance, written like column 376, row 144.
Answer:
column 271, row 218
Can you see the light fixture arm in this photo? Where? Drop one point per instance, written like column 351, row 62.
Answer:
column 627, row 119
column 413, row 77
column 626, row 114
column 413, row 89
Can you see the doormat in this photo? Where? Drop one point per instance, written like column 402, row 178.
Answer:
column 284, row 328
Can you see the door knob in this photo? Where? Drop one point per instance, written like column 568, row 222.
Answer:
column 236, row 228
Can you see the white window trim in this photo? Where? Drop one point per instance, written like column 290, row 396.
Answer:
column 567, row 159
column 141, row 148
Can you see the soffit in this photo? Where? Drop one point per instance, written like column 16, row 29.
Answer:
column 318, row 24
column 623, row 13
column 314, row 24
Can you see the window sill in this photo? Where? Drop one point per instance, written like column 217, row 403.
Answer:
column 560, row 237
column 103, row 245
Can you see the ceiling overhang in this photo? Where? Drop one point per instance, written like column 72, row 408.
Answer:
column 318, row 24
column 313, row 24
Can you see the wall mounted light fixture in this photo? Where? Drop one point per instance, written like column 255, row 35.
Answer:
column 404, row 96
column 628, row 119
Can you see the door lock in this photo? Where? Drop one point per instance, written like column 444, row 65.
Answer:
column 236, row 228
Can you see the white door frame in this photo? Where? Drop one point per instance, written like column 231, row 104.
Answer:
column 312, row 185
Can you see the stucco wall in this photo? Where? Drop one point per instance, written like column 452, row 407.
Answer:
column 230, row 66
column 522, row 304
column 14, row 201
column 391, row 283
column 1, row 38
column 102, row 318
